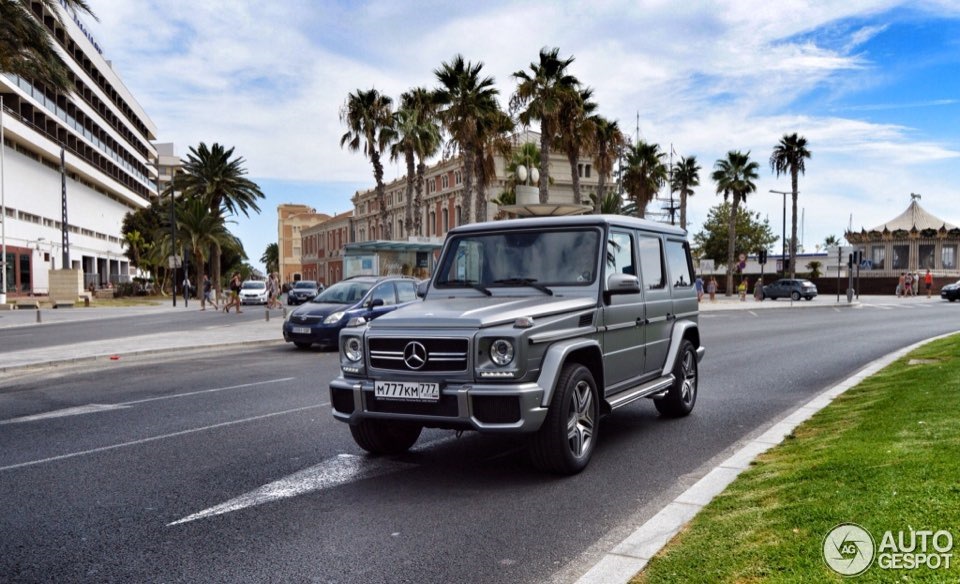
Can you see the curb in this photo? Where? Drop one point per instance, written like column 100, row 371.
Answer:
column 626, row 559
column 137, row 353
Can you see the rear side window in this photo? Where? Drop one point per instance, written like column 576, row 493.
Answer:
column 385, row 292
column 651, row 263
column 678, row 258
column 406, row 291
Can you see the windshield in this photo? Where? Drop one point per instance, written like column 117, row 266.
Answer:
column 520, row 258
column 305, row 284
column 254, row 286
column 346, row 292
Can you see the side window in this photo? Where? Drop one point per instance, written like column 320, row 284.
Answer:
column 406, row 291
column 651, row 263
column 620, row 254
column 681, row 270
column 385, row 292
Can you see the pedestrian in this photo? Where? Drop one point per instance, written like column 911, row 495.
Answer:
column 742, row 290
column 186, row 289
column 272, row 289
column 698, row 284
column 758, row 290
column 712, row 289
column 207, row 294
column 908, row 284
column 928, row 282
column 235, row 285
column 901, row 282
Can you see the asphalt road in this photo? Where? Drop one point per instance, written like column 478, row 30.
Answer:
column 229, row 468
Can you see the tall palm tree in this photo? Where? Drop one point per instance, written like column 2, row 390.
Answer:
column 368, row 116
column 217, row 178
column 271, row 257
column 417, row 134
column 645, row 174
column 493, row 140
column 27, row 46
column 788, row 156
column 606, row 144
column 540, row 96
column 686, row 175
column 465, row 98
column 576, row 133
column 734, row 176
column 424, row 102
column 202, row 233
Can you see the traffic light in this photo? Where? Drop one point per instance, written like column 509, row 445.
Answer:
column 762, row 256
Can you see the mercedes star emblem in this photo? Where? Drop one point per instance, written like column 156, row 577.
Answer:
column 415, row 355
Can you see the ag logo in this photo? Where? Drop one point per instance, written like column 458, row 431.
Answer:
column 848, row 549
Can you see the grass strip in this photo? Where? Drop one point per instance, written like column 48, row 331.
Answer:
column 884, row 455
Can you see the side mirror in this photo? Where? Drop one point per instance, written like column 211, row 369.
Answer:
column 422, row 288
column 375, row 303
column 623, row 284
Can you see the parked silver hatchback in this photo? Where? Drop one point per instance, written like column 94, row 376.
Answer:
column 536, row 327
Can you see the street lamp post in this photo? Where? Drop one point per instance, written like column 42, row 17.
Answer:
column 3, row 217
column 783, row 249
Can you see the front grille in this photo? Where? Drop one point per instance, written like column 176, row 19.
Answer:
column 442, row 354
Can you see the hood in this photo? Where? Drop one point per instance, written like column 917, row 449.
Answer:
column 320, row 309
column 473, row 312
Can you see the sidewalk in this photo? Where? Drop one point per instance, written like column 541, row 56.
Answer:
column 220, row 332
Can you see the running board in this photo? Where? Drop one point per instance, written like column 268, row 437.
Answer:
column 646, row 390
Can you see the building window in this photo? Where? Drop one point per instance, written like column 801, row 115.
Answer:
column 432, row 223
column 879, row 255
column 580, row 170
column 948, row 256
column 458, row 216
column 445, row 181
column 457, row 177
column 901, row 257
column 927, row 256
column 444, row 217
column 588, row 170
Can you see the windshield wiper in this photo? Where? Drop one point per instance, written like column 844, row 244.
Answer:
column 467, row 284
column 532, row 282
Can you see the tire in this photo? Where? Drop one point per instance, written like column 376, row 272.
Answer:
column 303, row 346
column 385, row 436
column 682, row 395
column 575, row 404
column 808, row 298
column 795, row 296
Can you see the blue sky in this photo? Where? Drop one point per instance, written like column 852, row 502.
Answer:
column 874, row 86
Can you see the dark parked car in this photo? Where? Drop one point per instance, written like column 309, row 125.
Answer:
column 951, row 292
column 793, row 289
column 319, row 320
column 302, row 291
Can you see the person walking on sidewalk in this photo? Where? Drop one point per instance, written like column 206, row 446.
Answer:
column 207, row 294
column 928, row 282
column 712, row 289
column 272, row 290
column 186, row 290
column 742, row 290
column 234, row 301
column 698, row 284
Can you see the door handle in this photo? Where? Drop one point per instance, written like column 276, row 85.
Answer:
column 671, row 317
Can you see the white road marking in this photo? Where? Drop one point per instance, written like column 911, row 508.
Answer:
column 155, row 438
column 752, row 313
column 75, row 411
column 344, row 468
column 202, row 391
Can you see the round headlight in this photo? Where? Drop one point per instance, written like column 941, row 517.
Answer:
column 501, row 352
column 333, row 318
column 353, row 349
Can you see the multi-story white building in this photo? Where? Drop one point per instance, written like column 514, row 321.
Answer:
column 109, row 166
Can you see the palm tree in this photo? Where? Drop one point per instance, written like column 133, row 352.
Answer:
column 686, row 175
column 540, row 96
column 644, row 174
column 424, row 102
column 202, row 233
column 734, row 176
column 271, row 257
column 493, row 140
column 606, row 144
column 368, row 116
column 417, row 134
column 788, row 156
column 576, row 133
column 27, row 46
column 465, row 99
column 214, row 176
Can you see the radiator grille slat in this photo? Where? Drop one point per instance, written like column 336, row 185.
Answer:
column 443, row 354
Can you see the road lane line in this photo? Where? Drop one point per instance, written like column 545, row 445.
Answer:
column 155, row 438
column 75, row 411
column 202, row 391
column 340, row 470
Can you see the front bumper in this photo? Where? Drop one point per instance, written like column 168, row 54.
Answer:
column 486, row 408
column 319, row 334
column 252, row 300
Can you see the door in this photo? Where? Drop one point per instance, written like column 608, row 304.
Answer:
column 382, row 299
column 622, row 318
column 658, row 324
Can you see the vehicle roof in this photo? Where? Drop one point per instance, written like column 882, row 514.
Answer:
column 376, row 278
column 571, row 221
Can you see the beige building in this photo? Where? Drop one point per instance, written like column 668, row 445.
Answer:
column 291, row 219
column 322, row 249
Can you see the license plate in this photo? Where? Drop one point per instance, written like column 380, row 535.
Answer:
column 301, row 330
column 407, row 391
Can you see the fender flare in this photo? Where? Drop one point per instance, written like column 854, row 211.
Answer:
column 553, row 362
column 679, row 330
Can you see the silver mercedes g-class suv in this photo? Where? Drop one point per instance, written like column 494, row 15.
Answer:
column 532, row 326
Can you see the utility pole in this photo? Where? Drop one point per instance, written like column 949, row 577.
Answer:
column 783, row 239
